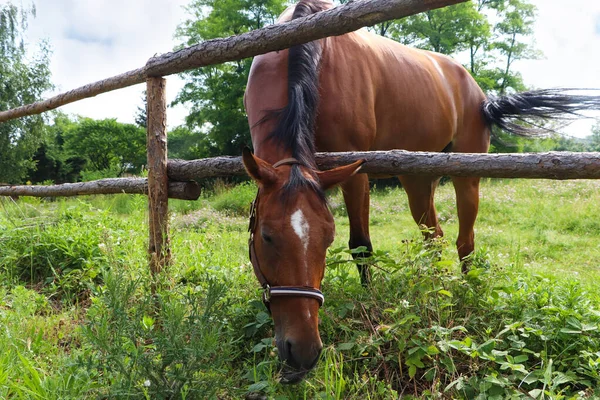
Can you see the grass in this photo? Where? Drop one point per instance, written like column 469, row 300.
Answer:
column 79, row 319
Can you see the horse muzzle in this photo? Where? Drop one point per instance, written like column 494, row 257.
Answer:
column 298, row 358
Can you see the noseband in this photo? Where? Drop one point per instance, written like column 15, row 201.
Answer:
column 270, row 291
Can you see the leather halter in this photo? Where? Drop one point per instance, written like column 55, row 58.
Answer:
column 276, row 291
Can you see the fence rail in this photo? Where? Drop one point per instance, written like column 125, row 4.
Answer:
column 177, row 190
column 339, row 20
column 551, row 165
column 168, row 178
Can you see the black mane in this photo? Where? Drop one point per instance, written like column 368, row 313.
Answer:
column 295, row 129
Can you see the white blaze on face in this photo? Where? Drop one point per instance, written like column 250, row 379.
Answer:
column 301, row 227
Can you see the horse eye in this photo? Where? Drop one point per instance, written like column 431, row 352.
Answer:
column 266, row 237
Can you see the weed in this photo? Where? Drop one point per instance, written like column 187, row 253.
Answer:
column 236, row 200
column 523, row 323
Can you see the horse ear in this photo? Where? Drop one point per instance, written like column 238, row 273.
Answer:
column 258, row 169
column 334, row 177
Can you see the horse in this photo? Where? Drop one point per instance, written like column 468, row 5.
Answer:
column 355, row 92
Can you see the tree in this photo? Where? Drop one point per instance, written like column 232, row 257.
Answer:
column 186, row 144
column 21, row 82
column 448, row 30
column 52, row 161
column 217, row 116
column 107, row 145
column 141, row 115
column 490, row 32
column 594, row 138
column 466, row 29
column 518, row 18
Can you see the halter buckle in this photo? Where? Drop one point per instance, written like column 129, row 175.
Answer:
column 266, row 293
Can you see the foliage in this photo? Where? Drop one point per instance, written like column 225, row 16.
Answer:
column 141, row 115
column 52, row 161
column 88, row 149
column 168, row 345
column 186, row 144
column 24, row 80
column 523, row 323
column 491, row 33
column 24, row 372
column 215, row 93
column 234, row 200
column 448, row 30
column 505, row 143
column 64, row 255
column 490, row 334
column 594, row 138
column 518, row 17
column 107, row 145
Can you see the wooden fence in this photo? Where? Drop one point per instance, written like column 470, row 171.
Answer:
column 175, row 178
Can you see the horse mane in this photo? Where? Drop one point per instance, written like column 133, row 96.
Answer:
column 295, row 127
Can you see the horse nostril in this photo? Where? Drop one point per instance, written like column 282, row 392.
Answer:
column 296, row 357
column 288, row 348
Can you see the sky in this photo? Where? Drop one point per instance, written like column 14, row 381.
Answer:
column 97, row 39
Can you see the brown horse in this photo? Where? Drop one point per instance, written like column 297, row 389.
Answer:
column 354, row 92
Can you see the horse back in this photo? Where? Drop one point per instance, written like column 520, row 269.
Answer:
column 377, row 94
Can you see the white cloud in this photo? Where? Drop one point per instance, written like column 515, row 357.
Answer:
column 93, row 40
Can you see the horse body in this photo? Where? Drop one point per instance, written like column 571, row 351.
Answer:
column 377, row 94
column 357, row 92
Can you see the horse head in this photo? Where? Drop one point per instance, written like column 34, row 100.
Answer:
column 291, row 228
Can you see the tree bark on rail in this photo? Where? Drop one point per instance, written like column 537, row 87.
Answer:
column 552, row 165
column 177, row 190
column 346, row 18
column 158, row 181
column 337, row 21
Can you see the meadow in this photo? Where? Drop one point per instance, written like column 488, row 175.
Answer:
column 78, row 318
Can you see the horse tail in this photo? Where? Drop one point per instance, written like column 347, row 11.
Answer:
column 517, row 113
column 296, row 125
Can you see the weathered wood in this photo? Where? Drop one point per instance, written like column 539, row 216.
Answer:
column 90, row 90
column 553, row 165
column 158, row 181
column 216, row 167
column 349, row 17
column 177, row 190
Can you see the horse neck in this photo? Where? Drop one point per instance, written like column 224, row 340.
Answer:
column 269, row 151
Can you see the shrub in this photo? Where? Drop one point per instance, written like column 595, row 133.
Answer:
column 62, row 256
column 236, row 200
column 175, row 344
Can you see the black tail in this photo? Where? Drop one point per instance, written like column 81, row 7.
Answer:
column 296, row 122
column 516, row 113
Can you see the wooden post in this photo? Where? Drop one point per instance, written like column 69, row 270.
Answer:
column 158, row 181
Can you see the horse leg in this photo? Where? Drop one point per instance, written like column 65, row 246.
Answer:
column 420, row 191
column 467, row 204
column 356, row 197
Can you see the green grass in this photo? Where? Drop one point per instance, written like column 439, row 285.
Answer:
column 79, row 319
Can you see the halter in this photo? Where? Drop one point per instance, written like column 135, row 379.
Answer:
column 276, row 291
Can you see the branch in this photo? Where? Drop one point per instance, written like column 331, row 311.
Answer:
column 337, row 21
column 177, row 190
column 553, row 165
